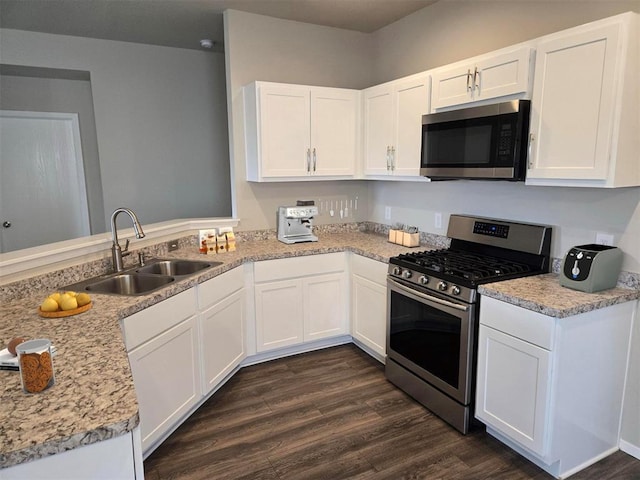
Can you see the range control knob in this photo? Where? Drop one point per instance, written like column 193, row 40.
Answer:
column 406, row 274
column 423, row 279
column 397, row 270
column 455, row 290
column 442, row 286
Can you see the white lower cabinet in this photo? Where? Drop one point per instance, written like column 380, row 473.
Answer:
column 552, row 388
column 166, row 374
column 221, row 302
column 369, row 304
column 300, row 299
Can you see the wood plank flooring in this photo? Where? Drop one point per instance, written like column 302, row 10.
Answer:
column 332, row 415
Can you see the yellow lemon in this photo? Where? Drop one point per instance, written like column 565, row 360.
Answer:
column 55, row 296
column 67, row 302
column 83, row 299
column 49, row 305
column 73, row 294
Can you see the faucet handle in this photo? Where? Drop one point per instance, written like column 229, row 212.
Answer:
column 126, row 246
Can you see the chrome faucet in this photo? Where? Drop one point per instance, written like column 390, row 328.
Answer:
column 118, row 252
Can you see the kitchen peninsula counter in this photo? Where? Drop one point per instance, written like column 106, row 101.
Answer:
column 93, row 398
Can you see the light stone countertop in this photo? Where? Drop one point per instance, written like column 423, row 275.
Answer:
column 544, row 294
column 94, row 397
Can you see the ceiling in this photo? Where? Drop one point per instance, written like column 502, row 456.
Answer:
column 183, row 23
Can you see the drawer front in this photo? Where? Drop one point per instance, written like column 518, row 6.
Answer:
column 148, row 323
column 285, row 268
column 218, row 288
column 370, row 269
column 519, row 322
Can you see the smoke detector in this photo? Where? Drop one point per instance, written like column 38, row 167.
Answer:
column 206, row 43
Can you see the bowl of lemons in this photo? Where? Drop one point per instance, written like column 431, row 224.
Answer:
column 64, row 304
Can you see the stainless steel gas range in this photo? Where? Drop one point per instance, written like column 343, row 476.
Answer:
column 433, row 308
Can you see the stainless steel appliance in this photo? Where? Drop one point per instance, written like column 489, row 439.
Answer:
column 591, row 268
column 432, row 308
column 295, row 224
column 486, row 142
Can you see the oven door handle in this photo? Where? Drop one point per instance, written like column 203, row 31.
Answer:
column 429, row 298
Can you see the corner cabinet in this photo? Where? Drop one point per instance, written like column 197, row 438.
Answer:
column 483, row 78
column 393, row 126
column 299, row 300
column 298, row 132
column 584, row 111
column 552, row 388
column 369, row 305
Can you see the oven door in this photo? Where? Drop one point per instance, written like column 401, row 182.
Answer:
column 432, row 337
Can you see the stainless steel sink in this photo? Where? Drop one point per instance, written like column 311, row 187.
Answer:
column 129, row 284
column 176, row 268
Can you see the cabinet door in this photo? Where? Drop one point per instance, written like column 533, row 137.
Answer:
column 483, row 78
column 502, row 75
column 334, row 124
column 166, row 375
column 513, row 388
column 369, row 313
column 378, row 130
column 222, row 331
column 412, row 101
column 573, row 103
column 279, row 314
column 285, row 126
column 452, row 86
column 325, row 306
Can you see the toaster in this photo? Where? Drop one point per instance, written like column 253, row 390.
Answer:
column 591, row 268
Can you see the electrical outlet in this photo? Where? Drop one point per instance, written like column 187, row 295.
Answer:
column 604, row 239
column 387, row 213
column 437, row 220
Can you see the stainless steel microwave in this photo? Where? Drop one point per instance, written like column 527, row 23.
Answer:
column 486, row 142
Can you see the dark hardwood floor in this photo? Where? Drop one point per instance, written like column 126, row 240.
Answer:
column 331, row 415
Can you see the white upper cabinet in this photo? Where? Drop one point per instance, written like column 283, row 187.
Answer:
column 482, row 78
column 300, row 132
column 393, row 126
column 584, row 112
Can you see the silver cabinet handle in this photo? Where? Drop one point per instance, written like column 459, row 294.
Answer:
column 476, row 74
column 388, row 155
column 308, row 160
column 532, row 139
column 314, row 160
column 468, row 80
column 393, row 158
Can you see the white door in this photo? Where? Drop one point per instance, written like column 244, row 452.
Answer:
column 412, row 101
column 324, row 306
column 513, row 387
column 378, row 130
column 369, row 313
column 333, row 131
column 279, row 314
column 41, row 150
column 572, row 108
column 286, row 130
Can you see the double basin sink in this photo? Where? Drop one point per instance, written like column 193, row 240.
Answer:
column 140, row 280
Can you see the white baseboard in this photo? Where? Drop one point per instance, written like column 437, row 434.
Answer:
column 630, row 448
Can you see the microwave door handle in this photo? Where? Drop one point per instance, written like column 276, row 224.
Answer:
column 429, row 298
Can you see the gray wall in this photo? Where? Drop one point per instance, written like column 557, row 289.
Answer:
column 160, row 116
column 38, row 94
column 269, row 49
